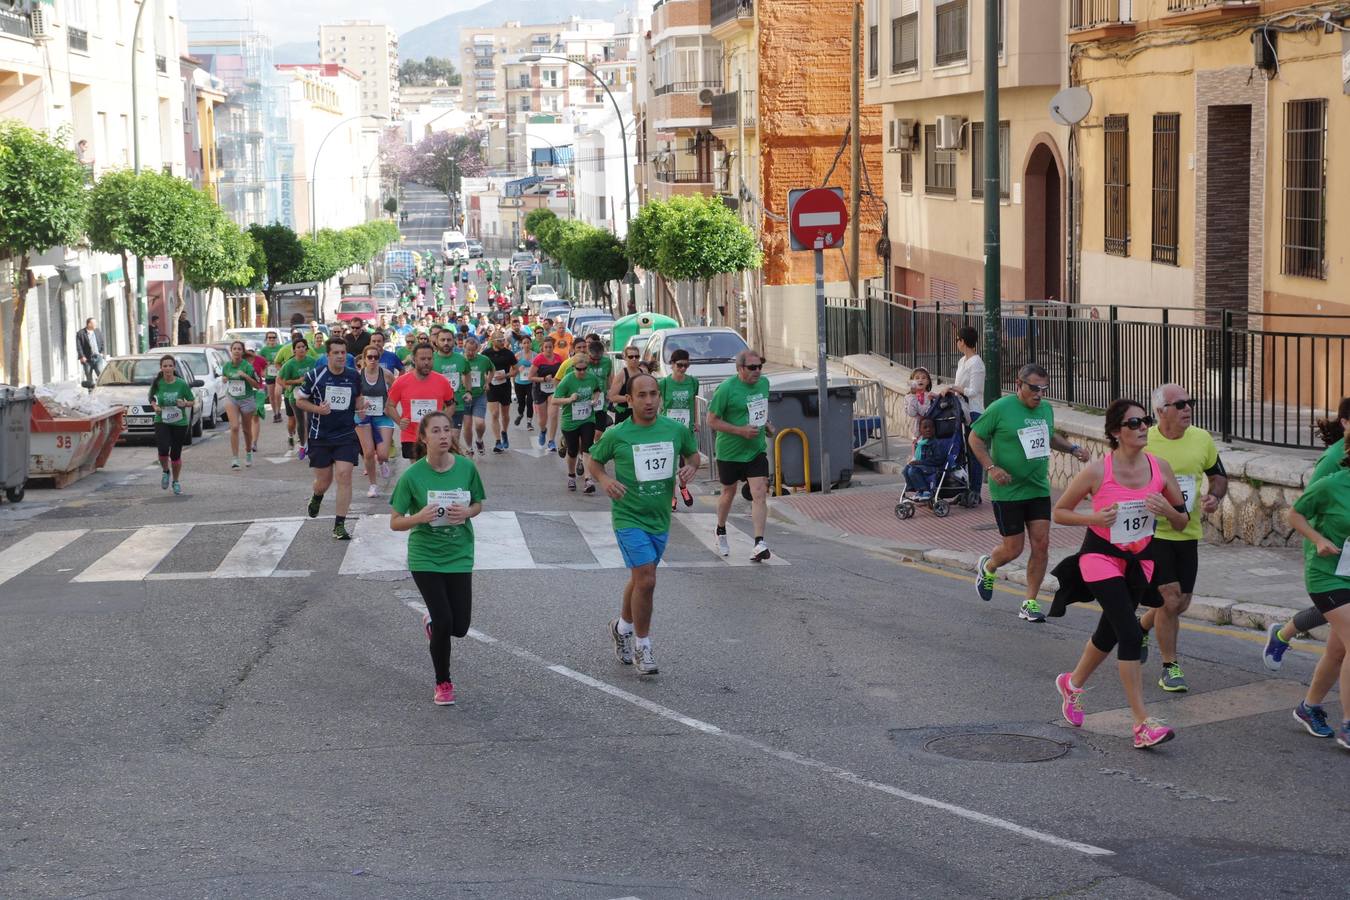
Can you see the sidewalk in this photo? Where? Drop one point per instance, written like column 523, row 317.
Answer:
column 1239, row 585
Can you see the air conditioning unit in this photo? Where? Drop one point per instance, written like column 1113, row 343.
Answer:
column 951, row 132
column 903, row 135
column 705, row 96
column 37, row 18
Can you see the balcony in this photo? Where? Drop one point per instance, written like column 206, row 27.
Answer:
column 162, row 65
column 686, row 87
column 1095, row 20
column 733, row 13
column 15, row 24
column 1199, row 12
column 727, row 111
column 77, row 39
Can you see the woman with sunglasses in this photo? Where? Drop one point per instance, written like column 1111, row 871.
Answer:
column 618, row 386
column 241, row 383
column 678, row 391
column 1130, row 490
column 171, row 397
column 374, row 427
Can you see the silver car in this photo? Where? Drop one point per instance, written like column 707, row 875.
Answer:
column 126, row 380
column 712, row 351
column 206, row 362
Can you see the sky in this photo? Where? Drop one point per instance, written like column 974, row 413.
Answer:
column 288, row 21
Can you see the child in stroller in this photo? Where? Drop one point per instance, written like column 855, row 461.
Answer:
column 922, row 472
column 937, row 475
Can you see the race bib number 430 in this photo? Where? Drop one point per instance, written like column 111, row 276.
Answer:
column 654, row 462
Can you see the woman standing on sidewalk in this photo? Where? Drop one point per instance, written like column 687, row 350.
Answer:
column 172, row 400
column 1129, row 490
column 434, row 501
column 1322, row 517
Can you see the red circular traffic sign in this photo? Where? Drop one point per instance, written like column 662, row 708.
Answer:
column 819, row 214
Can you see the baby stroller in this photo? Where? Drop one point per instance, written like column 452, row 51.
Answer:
column 946, row 463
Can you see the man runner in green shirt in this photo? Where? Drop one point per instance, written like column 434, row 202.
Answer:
column 739, row 413
column 644, row 449
column 1012, row 439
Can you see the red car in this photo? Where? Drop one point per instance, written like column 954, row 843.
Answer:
column 363, row 308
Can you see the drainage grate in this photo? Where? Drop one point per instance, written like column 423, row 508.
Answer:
column 997, row 747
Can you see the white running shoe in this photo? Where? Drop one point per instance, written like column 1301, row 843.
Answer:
column 760, row 553
column 623, row 643
column 373, row 491
column 644, row 660
column 723, row 545
column 384, row 471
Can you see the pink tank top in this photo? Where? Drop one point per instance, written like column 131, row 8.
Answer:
column 1099, row 566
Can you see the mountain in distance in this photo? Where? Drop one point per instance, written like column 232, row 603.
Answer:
column 297, row 52
column 441, row 37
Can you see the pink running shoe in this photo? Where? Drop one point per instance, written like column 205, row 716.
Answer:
column 426, row 623
column 1151, row 733
column 1071, row 698
column 445, row 694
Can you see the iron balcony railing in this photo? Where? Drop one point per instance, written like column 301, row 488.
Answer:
column 731, row 109
column 1263, row 378
column 684, row 176
column 1092, row 13
column 686, row 87
column 162, row 65
column 1189, row 5
column 78, row 39
column 724, row 11
column 16, row 24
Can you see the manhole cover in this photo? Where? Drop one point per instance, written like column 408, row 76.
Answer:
column 997, row 747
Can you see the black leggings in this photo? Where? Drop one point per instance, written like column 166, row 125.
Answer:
column 524, row 406
column 1308, row 619
column 169, row 440
column 1117, row 623
column 449, row 599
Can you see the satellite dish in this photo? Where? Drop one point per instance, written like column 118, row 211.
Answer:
column 705, row 96
column 1071, row 106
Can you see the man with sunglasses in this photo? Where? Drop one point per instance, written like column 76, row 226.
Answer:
column 1012, row 441
column 739, row 414
column 1194, row 459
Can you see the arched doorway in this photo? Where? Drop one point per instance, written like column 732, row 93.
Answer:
column 1043, row 244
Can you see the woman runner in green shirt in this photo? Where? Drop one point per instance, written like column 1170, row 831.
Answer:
column 172, row 400
column 434, row 501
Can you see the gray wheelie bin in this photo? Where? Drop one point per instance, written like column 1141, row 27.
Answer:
column 793, row 403
column 15, row 406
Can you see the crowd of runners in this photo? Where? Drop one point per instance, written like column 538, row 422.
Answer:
column 451, row 385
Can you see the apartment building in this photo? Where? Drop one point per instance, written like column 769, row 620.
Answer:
column 69, row 67
column 925, row 70
column 371, row 50
column 685, row 75
column 334, row 175
column 485, row 53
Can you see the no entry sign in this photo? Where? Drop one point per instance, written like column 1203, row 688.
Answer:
column 817, row 214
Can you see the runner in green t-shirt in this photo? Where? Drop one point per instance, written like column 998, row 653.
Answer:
column 645, row 448
column 577, row 395
column 475, row 374
column 1012, row 439
column 172, row 399
column 603, row 367
column 434, row 501
column 241, row 384
column 293, row 372
column 269, row 351
column 739, row 414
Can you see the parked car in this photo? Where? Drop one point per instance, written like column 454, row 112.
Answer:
column 475, row 248
column 363, row 308
column 522, row 261
column 638, row 342
column 538, row 293
column 257, row 335
column 581, row 319
column 554, row 309
column 125, row 381
column 712, row 351
column 206, row 362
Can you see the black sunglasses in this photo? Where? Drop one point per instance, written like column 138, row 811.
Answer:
column 1179, row 404
column 755, row 368
column 1134, row 423
column 626, row 356
column 1037, row 388
column 681, row 365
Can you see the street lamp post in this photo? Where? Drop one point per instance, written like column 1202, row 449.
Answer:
column 314, row 169
column 571, row 170
column 623, row 135
column 143, row 331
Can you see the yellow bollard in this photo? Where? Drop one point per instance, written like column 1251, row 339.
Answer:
column 778, row 460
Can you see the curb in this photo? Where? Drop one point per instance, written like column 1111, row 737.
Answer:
column 1211, row 610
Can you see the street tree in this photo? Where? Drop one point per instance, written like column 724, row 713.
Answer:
column 42, row 205
column 539, row 218
column 429, row 71
column 700, row 238
column 282, row 253
column 595, row 256
column 225, row 265
column 443, row 160
column 391, row 205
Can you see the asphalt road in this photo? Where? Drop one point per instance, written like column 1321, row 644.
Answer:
column 428, row 216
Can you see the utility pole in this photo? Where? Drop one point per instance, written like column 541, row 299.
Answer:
column 855, row 162
column 993, row 257
column 142, row 337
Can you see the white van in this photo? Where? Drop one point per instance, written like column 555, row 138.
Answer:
column 454, row 246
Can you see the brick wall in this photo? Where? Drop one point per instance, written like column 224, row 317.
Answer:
column 804, row 72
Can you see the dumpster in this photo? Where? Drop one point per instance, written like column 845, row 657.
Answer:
column 641, row 323
column 15, row 407
column 793, row 403
column 67, row 448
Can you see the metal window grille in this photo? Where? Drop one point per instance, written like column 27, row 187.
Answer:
column 1117, row 234
column 939, row 165
column 952, row 20
column 977, row 159
column 1166, row 172
column 905, row 43
column 873, row 52
column 1305, row 188
column 907, row 172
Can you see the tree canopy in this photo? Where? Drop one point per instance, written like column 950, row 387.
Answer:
column 427, row 72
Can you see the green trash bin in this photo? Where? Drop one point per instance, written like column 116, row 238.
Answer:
column 794, row 403
column 16, row 404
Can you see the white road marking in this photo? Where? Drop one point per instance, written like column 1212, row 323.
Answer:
column 597, row 530
column 788, row 756
column 375, row 547
column 258, row 551
column 500, row 534
column 1205, row 708
column 136, row 556
column 703, row 526
column 28, row 552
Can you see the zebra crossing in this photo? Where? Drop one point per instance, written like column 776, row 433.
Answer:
column 585, row 540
